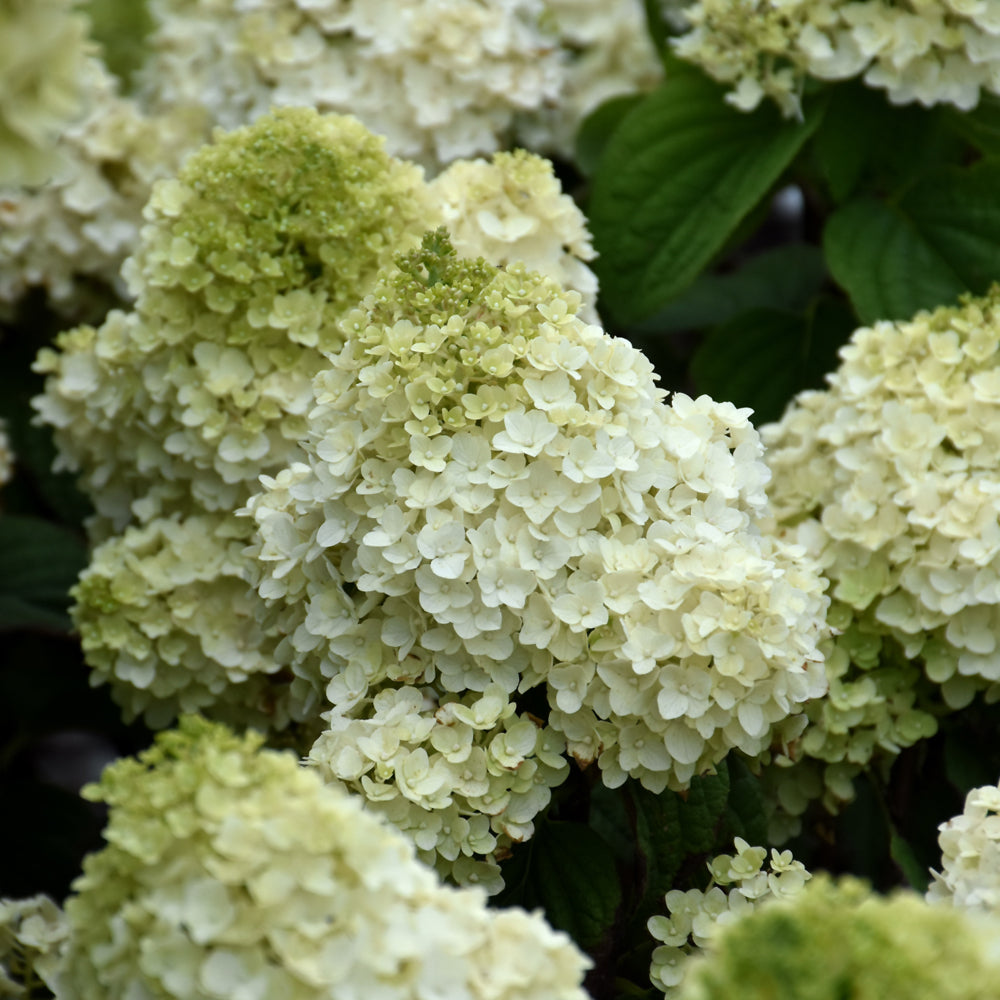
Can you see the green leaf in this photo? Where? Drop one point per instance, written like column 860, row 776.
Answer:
column 597, row 128
column 913, row 870
column 763, row 357
column 39, row 562
column 569, row 871
column 672, row 826
column 981, row 125
column 675, row 180
column 850, row 145
column 785, row 277
column 746, row 814
column 941, row 238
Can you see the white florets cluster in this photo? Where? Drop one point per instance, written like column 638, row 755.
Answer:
column 926, row 51
column 80, row 227
column 165, row 616
column 696, row 915
column 33, row 933
column 497, row 494
column 440, row 80
column 462, row 777
column 889, row 479
column 970, row 855
column 234, row 872
column 44, row 59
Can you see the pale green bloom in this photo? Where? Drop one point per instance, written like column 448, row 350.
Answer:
column 231, row 871
column 835, row 940
column 43, row 65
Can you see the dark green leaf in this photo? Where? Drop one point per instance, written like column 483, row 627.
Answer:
column 670, row 827
column 913, row 871
column 785, row 277
column 675, row 180
column 763, row 357
column 746, row 815
column 981, row 125
column 850, row 145
column 39, row 562
column 569, row 871
column 966, row 765
column 597, row 128
column 941, row 238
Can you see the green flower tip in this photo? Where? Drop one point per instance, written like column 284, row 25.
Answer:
column 295, row 200
column 838, row 939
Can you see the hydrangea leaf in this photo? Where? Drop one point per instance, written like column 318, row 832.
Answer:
column 569, row 871
column 597, row 128
column 941, row 238
column 850, row 147
column 762, row 357
column 910, row 865
column 981, row 125
column 671, row 826
column 677, row 177
column 39, row 562
column 785, row 277
column 746, row 814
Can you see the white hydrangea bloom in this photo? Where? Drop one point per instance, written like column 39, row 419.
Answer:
column 234, row 872
column 497, row 494
column 970, row 855
column 514, row 209
column 80, row 226
column 44, row 56
column 697, row 914
column 174, row 409
column 33, row 934
column 441, row 79
column 889, row 478
column 926, row 51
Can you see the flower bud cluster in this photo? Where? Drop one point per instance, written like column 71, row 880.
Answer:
column 33, row 933
column 440, row 80
column 231, row 871
column 970, row 855
column 839, row 939
column 739, row 884
column 926, row 51
column 43, row 69
column 888, row 478
column 497, row 494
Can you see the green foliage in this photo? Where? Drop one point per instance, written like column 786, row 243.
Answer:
column 677, row 177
